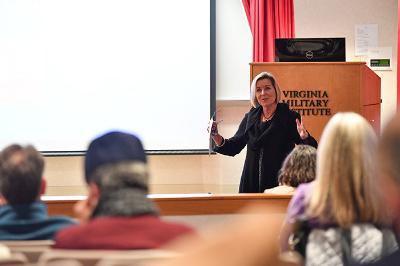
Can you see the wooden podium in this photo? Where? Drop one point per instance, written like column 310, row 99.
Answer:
column 319, row 90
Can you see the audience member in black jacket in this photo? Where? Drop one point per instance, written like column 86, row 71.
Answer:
column 270, row 130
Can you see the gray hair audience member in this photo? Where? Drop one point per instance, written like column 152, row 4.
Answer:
column 117, row 213
column 22, row 215
column 297, row 168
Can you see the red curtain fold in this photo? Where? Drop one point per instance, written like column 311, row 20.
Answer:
column 269, row 19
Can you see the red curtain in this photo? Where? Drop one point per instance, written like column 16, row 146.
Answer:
column 269, row 19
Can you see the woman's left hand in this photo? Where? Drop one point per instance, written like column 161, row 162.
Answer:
column 301, row 129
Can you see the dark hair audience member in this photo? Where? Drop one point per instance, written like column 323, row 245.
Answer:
column 23, row 216
column 117, row 213
column 297, row 168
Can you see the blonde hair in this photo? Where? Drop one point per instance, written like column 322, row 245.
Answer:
column 263, row 75
column 345, row 190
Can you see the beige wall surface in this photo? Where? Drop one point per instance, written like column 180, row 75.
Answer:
column 169, row 173
column 338, row 18
column 221, row 174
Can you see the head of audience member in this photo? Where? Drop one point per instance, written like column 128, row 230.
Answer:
column 117, row 175
column 299, row 166
column 345, row 190
column 21, row 171
column 389, row 159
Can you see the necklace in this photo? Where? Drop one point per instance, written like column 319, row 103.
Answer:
column 267, row 118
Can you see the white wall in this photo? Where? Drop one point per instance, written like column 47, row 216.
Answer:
column 234, row 51
column 324, row 18
column 221, row 174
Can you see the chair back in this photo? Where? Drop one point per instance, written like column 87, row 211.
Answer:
column 103, row 257
column 32, row 249
column 15, row 259
column 137, row 258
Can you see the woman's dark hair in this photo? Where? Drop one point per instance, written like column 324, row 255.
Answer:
column 299, row 166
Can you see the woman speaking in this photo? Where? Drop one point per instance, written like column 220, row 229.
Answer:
column 270, row 130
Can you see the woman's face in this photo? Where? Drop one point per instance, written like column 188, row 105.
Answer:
column 265, row 93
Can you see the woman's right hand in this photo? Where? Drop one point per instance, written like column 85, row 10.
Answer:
column 213, row 130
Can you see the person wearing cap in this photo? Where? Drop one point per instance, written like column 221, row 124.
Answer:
column 22, row 215
column 117, row 213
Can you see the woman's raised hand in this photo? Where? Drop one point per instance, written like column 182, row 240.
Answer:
column 301, row 129
column 213, row 128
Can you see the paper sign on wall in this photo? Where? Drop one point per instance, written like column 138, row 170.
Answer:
column 366, row 36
